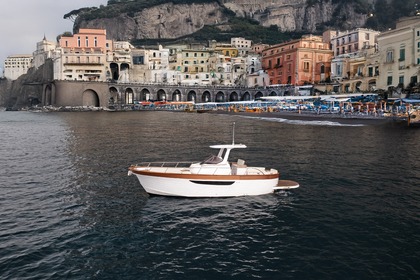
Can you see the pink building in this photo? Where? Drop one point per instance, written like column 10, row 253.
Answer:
column 84, row 56
column 298, row 62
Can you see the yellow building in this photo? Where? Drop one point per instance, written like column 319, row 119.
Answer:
column 399, row 55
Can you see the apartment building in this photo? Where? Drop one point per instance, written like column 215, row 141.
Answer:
column 353, row 41
column 17, row 65
column 242, row 45
column 84, row 56
column 298, row 62
column 399, row 54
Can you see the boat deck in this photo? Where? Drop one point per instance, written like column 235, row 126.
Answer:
column 183, row 168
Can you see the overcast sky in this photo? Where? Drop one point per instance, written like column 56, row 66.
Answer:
column 23, row 23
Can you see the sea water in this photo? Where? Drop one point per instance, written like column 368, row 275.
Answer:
column 69, row 210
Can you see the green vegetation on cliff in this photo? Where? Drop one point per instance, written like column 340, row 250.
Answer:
column 382, row 14
column 239, row 27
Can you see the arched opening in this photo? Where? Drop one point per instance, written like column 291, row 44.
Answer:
column 176, row 95
column 114, row 71
column 47, row 95
column 372, row 85
column 144, row 95
column 258, row 95
column 246, row 97
column 192, row 96
column 206, row 97
column 161, row 95
column 123, row 76
column 273, row 93
column 220, row 97
column 113, row 96
column 90, row 98
column 357, row 88
column 233, row 96
column 129, row 96
column 347, row 88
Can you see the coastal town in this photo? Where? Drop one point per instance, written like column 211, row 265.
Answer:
column 374, row 73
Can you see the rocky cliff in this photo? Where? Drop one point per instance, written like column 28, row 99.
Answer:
column 27, row 89
column 176, row 20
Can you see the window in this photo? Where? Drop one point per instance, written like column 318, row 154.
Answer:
column 402, row 55
column 95, row 41
column 87, row 41
column 137, row 60
column 306, row 66
column 389, row 81
column 389, row 57
column 401, row 80
column 78, row 41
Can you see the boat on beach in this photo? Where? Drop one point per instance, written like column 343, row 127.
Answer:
column 212, row 177
column 414, row 117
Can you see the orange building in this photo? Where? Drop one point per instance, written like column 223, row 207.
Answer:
column 298, row 62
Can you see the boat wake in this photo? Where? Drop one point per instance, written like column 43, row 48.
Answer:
column 305, row 122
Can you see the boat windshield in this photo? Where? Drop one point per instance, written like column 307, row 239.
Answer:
column 212, row 160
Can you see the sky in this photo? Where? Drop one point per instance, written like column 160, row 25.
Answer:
column 23, row 23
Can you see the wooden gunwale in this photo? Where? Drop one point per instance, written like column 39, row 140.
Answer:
column 205, row 176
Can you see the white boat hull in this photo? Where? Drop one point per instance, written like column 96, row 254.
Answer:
column 206, row 185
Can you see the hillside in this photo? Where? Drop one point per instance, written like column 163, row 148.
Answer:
column 260, row 20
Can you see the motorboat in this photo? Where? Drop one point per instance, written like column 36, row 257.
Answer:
column 213, row 177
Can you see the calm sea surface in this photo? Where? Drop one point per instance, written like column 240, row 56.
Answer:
column 69, row 210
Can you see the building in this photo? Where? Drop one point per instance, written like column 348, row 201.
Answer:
column 353, row 41
column 399, row 55
column 242, row 45
column 298, row 62
column 44, row 50
column 17, row 65
column 84, row 56
column 258, row 48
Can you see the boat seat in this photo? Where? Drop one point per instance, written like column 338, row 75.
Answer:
column 241, row 163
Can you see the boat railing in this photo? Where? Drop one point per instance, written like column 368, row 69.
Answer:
column 254, row 170
column 167, row 164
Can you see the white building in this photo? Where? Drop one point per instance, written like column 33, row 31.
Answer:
column 244, row 46
column 17, row 65
column 353, row 41
column 44, row 50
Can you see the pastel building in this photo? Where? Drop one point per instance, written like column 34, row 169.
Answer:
column 399, row 55
column 84, row 56
column 352, row 41
column 17, row 65
column 242, row 45
column 298, row 62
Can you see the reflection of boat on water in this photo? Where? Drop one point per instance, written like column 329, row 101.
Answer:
column 213, row 177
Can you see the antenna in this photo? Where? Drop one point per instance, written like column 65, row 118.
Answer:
column 233, row 133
